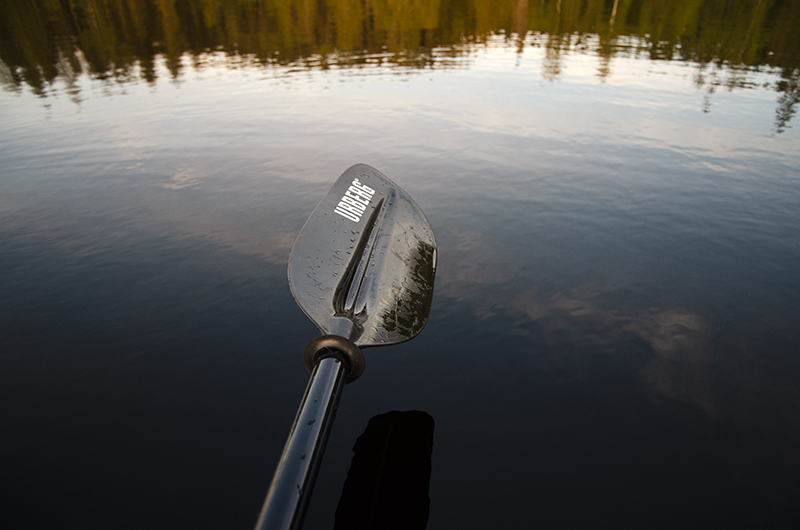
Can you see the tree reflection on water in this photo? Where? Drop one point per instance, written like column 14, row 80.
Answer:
column 43, row 41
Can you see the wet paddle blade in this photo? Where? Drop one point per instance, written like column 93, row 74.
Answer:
column 363, row 265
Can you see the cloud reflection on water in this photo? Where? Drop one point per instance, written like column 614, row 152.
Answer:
column 687, row 361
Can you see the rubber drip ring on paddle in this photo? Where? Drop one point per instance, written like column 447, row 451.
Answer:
column 334, row 345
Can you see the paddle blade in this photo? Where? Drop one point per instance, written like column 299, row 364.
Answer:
column 363, row 265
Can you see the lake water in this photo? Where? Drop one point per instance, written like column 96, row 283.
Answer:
column 614, row 188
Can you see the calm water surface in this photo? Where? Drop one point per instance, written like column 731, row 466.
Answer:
column 614, row 187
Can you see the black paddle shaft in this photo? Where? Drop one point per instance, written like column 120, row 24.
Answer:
column 289, row 493
column 334, row 361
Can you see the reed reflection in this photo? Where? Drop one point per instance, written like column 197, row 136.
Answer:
column 42, row 42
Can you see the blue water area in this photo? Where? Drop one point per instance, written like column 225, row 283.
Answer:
column 614, row 336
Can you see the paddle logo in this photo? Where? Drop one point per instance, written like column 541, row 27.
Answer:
column 355, row 201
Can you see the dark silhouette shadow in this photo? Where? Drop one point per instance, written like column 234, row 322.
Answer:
column 387, row 484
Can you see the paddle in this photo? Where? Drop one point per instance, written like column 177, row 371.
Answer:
column 362, row 270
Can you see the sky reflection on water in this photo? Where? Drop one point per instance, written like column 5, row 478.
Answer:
column 615, row 315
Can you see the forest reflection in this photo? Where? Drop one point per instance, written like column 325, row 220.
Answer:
column 44, row 41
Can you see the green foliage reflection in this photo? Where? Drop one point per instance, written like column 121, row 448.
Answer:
column 45, row 40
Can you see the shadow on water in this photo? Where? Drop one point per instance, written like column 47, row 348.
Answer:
column 44, row 43
column 387, row 484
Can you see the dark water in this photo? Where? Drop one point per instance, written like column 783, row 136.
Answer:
column 614, row 187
